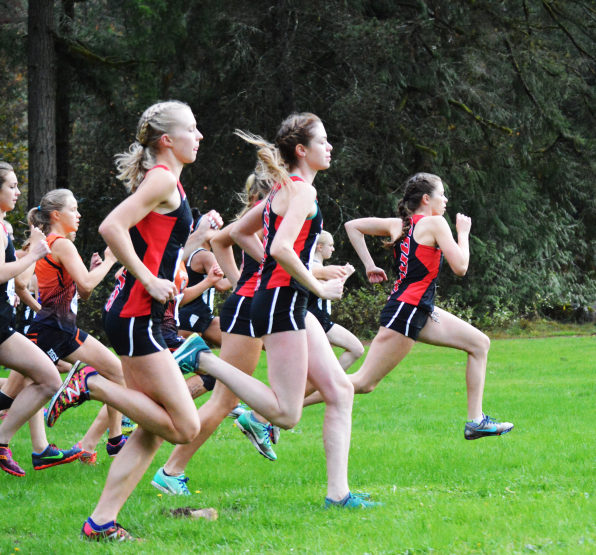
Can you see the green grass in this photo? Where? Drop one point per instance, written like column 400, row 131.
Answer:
column 529, row 491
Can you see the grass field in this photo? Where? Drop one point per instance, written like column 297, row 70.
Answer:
column 532, row 490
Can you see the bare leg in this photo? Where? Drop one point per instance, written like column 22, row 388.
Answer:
column 213, row 333
column 281, row 403
column 151, row 404
column 96, row 354
column 157, row 379
column 243, row 353
column 21, row 354
column 387, row 350
column 93, row 435
column 37, row 429
column 325, row 373
column 345, row 339
column 451, row 331
column 195, row 386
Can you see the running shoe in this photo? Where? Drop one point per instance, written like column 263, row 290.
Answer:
column 238, row 410
column 172, row 485
column 488, row 427
column 8, row 464
column 128, row 426
column 352, row 501
column 187, row 355
column 113, row 450
column 52, row 456
column 87, row 457
column 109, row 532
column 257, row 433
column 72, row 392
column 274, row 433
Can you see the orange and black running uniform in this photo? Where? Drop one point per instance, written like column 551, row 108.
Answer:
column 413, row 295
column 279, row 303
column 234, row 315
column 6, row 307
column 54, row 328
column 132, row 318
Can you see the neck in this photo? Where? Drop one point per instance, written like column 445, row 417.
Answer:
column 303, row 170
column 168, row 159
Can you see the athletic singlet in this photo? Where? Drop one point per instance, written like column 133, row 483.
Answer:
column 247, row 282
column 158, row 240
column 206, row 299
column 417, row 267
column 57, row 292
column 271, row 274
column 7, row 288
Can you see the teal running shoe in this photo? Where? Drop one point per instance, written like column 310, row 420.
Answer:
column 172, row 485
column 352, row 501
column 488, row 427
column 257, row 433
column 128, row 426
column 274, row 433
column 238, row 410
column 187, row 355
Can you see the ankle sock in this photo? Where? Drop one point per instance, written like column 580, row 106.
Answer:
column 100, row 527
column 115, row 440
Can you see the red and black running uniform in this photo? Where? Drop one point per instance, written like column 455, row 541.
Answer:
column 6, row 304
column 132, row 318
column 279, row 303
column 197, row 315
column 413, row 295
column 234, row 316
column 54, row 328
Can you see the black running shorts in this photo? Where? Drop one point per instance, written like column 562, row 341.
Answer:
column 55, row 342
column 403, row 318
column 134, row 337
column 277, row 310
column 234, row 316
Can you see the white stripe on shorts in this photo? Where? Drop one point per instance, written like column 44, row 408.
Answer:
column 270, row 326
column 395, row 315
column 235, row 315
column 408, row 322
column 292, row 310
column 131, row 326
column 150, row 332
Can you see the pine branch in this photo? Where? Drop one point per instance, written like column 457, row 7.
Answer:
column 521, row 76
column 412, row 139
column 551, row 13
column 480, row 119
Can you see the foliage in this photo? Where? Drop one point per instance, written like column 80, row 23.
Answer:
column 496, row 97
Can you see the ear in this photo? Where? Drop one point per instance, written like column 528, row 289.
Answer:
column 165, row 141
column 54, row 215
column 300, row 151
column 425, row 198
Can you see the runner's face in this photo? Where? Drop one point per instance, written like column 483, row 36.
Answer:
column 327, row 250
column 185, row 136
column 69, row 216
column 318, row 150
column 438, row 200
column 9, row 192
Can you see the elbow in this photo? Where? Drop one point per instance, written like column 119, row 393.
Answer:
column 460, row 270
column 84, row 292
column 279, row 251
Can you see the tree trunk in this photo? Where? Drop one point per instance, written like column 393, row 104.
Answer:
column 42, row 99
column 64, row 82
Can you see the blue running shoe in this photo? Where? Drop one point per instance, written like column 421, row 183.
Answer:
column 52, row 456
column 113, row 450
column 352, row 501
column 187, row 355
column 172, row 485
column 487, row 427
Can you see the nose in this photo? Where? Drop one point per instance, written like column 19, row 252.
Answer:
column 199, row 135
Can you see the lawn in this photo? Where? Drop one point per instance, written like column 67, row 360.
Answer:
column 532, row 490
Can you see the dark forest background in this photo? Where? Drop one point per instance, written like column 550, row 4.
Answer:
column 496, row 97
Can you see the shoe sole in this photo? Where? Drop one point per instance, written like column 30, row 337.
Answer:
column 12, row 472
column 58, row 463
column 479, row 436
column 51, row 421
column 253, row 440
column 166, row 490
